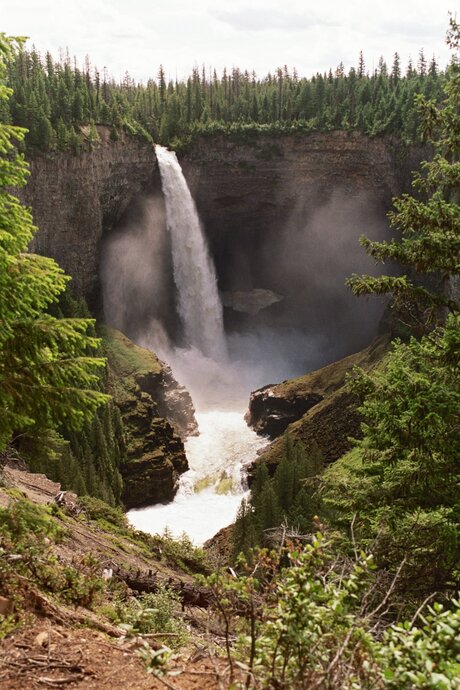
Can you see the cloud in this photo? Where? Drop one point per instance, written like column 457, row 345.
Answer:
column 253, row 34
column 269, row 20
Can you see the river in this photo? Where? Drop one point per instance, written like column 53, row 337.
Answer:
column 210, row 492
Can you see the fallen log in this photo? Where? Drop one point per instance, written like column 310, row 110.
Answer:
column 189, row 594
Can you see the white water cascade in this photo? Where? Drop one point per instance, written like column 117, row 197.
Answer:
column 199, row 304
column 210, row 492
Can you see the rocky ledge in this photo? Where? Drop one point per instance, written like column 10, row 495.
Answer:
column 316, row 409
column 270, row 413
column 157, row 415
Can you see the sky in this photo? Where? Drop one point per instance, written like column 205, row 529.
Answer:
column 139, row 35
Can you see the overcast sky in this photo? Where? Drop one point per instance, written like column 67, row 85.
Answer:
column 139, row 35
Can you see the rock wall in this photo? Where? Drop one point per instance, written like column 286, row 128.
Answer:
column 330, row 418
column 142, row 387
column 245, row 188
column 284, row 214
column 75, row 199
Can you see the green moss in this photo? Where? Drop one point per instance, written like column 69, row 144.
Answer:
column 125, row 358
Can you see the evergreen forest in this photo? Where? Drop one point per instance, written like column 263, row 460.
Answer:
column 60, row 103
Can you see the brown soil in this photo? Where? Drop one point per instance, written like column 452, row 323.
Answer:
column 57, row 646
column 45, row 655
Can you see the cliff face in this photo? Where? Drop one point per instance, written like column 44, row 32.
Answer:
column 75, row 199
column 284, row 214
column 316, row 409
column 258, row 182
column 157, row 413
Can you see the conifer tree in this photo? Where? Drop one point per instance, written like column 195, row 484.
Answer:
column 430, row 226
column 47, row 378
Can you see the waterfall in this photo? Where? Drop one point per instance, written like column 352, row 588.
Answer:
column 199, row 304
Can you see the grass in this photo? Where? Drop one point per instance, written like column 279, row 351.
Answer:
column 175, row 552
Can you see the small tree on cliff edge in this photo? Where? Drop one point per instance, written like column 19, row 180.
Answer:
column 430, row 229
column 47, row 376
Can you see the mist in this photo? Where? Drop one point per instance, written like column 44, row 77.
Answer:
column 315, row 252
column 306, row 259
column 136, row 271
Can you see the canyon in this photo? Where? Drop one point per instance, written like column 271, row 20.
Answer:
column 282, row 217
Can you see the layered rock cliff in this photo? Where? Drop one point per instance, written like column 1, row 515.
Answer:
column 284, row 214
column 157, row 414
column 75, row 199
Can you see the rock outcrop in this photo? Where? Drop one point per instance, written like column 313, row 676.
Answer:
column 75, row 199
column 251, row 301
column 155, row 411
column 270, row 413
column 327, row 424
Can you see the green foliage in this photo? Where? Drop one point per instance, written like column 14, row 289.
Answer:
column 425, row 657
column 182, row 552
column 59, row 104
column 155, row 660
column 48, row 374
column 311, row 627
column 307, row 618
column 24, row 520
column 429, row 224
column 154, row 613
column 102, row 512
column 26, row 533
column 179, row 553
column 289, row 498
column 404, row 489
column 402, row 495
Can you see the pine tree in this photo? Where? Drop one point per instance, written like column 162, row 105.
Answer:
column 268, row 509
column 396, row 69
column 244, row 535
column 361, row 65
column 430, row 226
column 46, row 377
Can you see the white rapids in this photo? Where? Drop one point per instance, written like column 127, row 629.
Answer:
column 210, row 492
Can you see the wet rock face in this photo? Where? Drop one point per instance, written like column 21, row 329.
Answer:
column 156, row 456
column 270, row 414
column 175, row 403
column 75, row 199
column 284, row 214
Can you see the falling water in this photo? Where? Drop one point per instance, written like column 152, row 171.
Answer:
column 199, row 305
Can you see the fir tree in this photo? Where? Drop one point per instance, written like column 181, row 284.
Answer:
column 430, row 225
column 46, row 377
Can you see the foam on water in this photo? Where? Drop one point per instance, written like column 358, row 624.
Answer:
column 210, row 492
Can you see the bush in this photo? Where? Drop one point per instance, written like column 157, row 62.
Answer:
column 154, row 613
